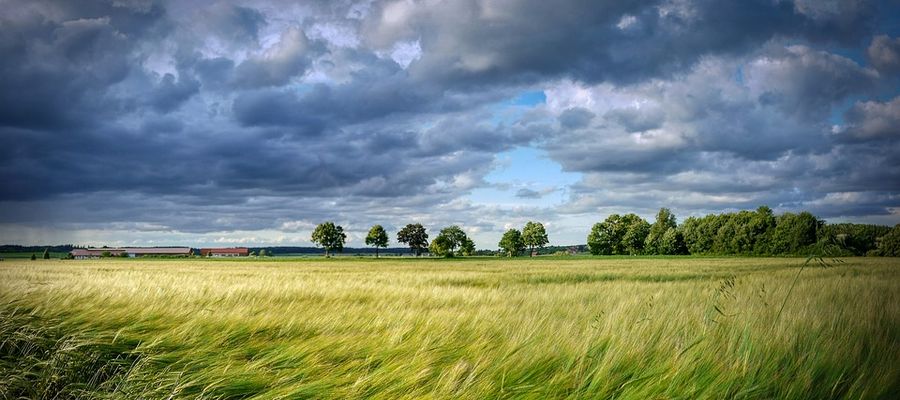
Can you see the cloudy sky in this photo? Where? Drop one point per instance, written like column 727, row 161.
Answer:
column 248, row 122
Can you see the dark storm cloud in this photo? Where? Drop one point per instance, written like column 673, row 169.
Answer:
column 204, row 117
column 472, row 42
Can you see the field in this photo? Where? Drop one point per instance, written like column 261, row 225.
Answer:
column 632, row 328
column 27, row 254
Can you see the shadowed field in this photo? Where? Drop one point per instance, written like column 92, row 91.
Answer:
column 477, row 328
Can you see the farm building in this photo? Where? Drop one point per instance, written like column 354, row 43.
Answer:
column 229, row 252
column 95, row 252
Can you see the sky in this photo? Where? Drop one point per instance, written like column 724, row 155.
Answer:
column 227, row 123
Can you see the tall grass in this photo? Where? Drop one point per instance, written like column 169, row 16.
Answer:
column 586, row 328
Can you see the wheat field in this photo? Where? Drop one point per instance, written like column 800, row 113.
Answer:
column 628, row 328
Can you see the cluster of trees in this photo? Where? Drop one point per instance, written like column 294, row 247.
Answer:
column 630, row 234
column 532, row 236
column 451, row 240
column 758, row 232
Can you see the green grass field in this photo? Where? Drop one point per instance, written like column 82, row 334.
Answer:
column 443, row 329
column 27, row 254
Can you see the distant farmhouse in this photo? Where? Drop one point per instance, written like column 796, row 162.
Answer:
column 97, row 252
column 230, row 252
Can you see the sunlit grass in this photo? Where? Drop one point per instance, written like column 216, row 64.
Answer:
column 542, row 328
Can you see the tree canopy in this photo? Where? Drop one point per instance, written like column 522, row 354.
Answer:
column 377, row 237
column 448, row 240
column 511, row 243
column 329, row 236
column 534, row 235
column 619, row 235
column 414, row 236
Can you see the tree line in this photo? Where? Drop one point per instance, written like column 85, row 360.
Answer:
column 758, row 232
column 450, row 241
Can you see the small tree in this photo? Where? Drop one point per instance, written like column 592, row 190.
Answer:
column 329, row 236
column 511, row 243
column 451, row 238
column 415, row 237
column 33, row 257
column 263, row 253
column 46, row 255
column 377, row 237
column 441, row 246
column 534, row 235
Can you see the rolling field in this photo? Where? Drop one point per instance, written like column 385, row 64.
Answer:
column 633, row 328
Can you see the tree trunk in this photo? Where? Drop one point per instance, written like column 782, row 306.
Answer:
column 376, row 252
column 326, row 252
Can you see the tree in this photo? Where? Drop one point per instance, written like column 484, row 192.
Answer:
column 329, row 236
column 618, row 235
column 534, row 235
column 511, row 243
column 602, row 240
column 441, row 246
column 664, row 220
column 793, row 233
column 415, row 237
column 636, row 231
column 467, row 248
column 263, row 253
column 672, row 243
column 33, row 257
column 377, row 237
column 448, row 240
column 889, row 244
column 46, row 255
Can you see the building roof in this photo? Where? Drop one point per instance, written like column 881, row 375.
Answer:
column 131, row 250
column 158, row 250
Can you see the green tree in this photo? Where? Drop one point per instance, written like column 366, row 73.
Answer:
column 33, row 257
column 672, row 243
column 46, row 254
column 441, row 246
column 263, row 253
column 794, row 233
column 664, row 220
column 859, row 239
column 636, row 231
column 618, row 234
column 534, row 235
column 467, row 248
column 377, row 237
column 602, row 238
column 456, row 235
column 889, row 244
column 329, row 236
column 415, row 236
column 511, row 243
